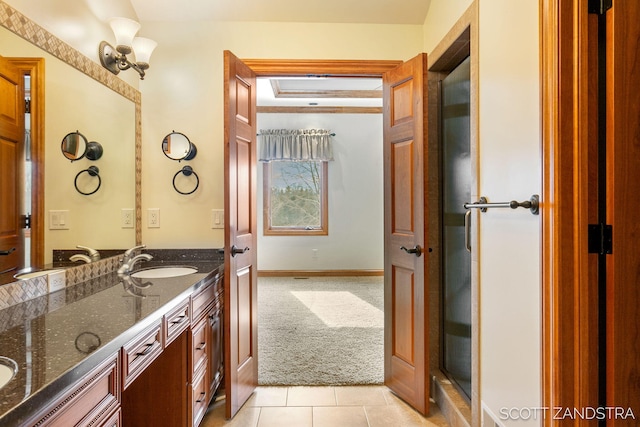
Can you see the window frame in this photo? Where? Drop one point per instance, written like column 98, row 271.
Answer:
column 269, row 230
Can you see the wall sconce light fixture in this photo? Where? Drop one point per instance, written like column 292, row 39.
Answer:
column 115, row 59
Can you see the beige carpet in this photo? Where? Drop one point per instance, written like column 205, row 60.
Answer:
column 320, row 331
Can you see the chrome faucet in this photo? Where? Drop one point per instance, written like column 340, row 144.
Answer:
column 129, row 253
column 137, row 258
column 80, row 257
column 93, row 254
column 129, row 260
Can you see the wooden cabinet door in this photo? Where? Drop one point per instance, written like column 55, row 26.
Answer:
column 240, row 216
column 405, row 285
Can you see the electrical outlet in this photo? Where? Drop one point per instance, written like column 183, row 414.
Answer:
column 153, row 218
column 217, row 218
column 126, row 218
column 56, row 300
column 56, row 280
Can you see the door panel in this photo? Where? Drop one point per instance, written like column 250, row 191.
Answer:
column 240, row 278
column 406, row 305
column 11, row 170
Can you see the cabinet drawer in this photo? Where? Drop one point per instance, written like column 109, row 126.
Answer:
column 114, row 421
column 176, row 322
column 199, row 345
column 93, row 399
column 138, row 353
column 199, row 397
column 202, row 300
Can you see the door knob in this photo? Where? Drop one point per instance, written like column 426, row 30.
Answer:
column 416, row 250
column 235, row 250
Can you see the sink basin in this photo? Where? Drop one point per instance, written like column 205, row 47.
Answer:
column 8, row 370
column 161, row 272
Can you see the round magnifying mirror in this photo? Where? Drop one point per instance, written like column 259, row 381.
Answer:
column 177, row 146
column 74, row 146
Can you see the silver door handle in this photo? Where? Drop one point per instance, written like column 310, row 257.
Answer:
column 467, row 230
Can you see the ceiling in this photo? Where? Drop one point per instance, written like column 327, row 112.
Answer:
column 326, row 11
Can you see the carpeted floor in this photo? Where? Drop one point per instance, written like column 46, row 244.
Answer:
column 320, row 331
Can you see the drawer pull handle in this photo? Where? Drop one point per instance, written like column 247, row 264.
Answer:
column 202, row 344
column 180, row 319
column 202, row 395
column 146, row 350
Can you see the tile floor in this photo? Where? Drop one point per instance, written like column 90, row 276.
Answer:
column 299, row 406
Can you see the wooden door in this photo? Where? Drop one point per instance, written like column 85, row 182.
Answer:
column 240, row 216
column 623, row 205
column 406, row 346
column 11, row 170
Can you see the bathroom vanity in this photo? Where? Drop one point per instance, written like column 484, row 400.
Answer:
column 102, row 353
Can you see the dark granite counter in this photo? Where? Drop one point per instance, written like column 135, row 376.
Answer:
column 58, row 338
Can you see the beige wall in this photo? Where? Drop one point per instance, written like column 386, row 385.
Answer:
column 440, row 18
column 184, row 91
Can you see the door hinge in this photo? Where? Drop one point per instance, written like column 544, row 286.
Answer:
column 599, row 7
column 26, row 221
column 600, row 239
column 27, row 105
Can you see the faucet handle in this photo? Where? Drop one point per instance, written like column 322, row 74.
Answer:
column 129, row 251
column 93, row 254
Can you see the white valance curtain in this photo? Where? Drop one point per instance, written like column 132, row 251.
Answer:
column 295, row 145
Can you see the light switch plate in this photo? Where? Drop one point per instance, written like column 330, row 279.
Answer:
column 217, row 218
column 59, row 220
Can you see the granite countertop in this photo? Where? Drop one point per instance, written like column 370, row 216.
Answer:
column 58, row 338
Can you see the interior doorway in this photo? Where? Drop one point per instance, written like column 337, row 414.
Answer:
column 350, row 109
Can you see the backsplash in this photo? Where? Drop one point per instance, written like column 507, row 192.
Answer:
column 28, row 289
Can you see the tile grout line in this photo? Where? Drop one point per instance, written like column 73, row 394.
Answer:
column 366, row 416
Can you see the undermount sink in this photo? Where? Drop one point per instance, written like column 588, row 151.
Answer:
column 8, row 370
column 161, row 272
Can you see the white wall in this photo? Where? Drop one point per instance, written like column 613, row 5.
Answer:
column 356, row 217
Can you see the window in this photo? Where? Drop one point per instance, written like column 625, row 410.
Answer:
column 295, row 198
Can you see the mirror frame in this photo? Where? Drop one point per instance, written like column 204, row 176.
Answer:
column 21, row 25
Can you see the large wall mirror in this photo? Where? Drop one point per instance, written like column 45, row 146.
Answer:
column 108, row 112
